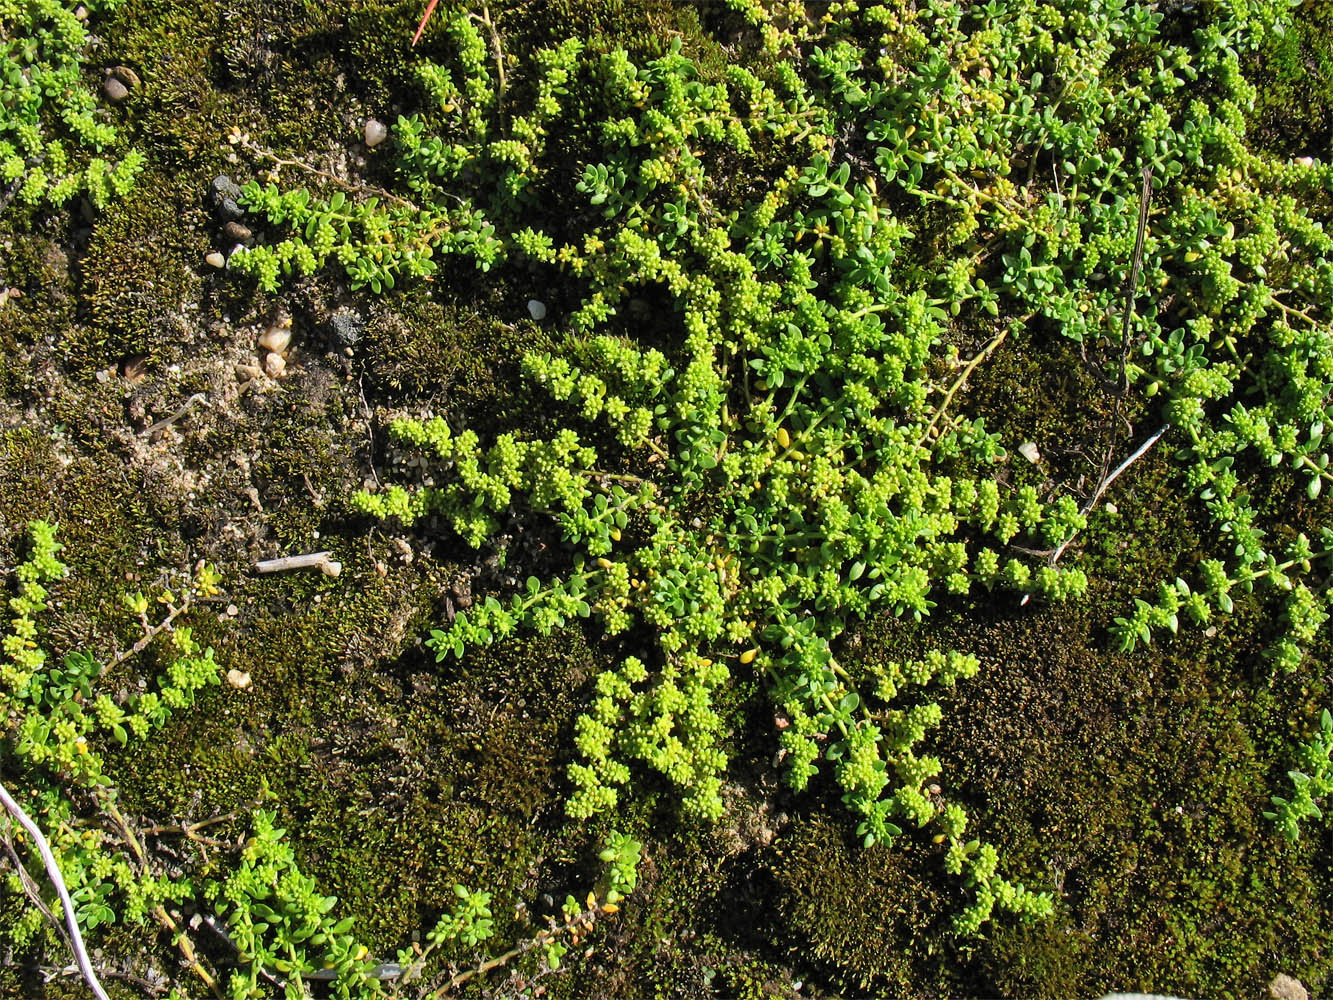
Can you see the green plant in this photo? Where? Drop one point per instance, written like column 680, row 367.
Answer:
column 959, row 175
column 280, row 923
column 55, row 724
column 1311, row 780
column 816, row 480
column 51, row 137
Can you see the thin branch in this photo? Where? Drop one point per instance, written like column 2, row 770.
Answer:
column 986, row 351
column 497, row 53
column 33, row 892
column 58, row 880
column 354, row 187
column 151, row 632
column 150, row 988
column 1105, row 483
column 159, row 912
column 189, row 405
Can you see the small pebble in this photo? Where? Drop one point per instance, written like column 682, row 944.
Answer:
column 115, row 90
column 277, row 337
column 215, row 259
column 536, row 309
column 274, row 365
column 225, row 194
column 232, row 611
column 239, row 233
column 1028, row 450
column 244, row 372
column 125, row 75
column 239, row 679
column 375, row 132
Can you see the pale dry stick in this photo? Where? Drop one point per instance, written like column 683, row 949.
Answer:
column 58, row 880
column 313, row 560
column 189, row 405
column 1105, row 483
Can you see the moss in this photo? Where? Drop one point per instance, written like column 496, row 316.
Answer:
column 888, row 942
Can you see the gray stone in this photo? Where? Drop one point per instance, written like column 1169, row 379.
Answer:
column 346, row 327
column 375, row 132
column 225, row 195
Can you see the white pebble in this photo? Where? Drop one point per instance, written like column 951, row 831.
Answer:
column 536, row 309
column 375, row 132
column 216, row 259
column 238, row 678
column 1029, row 451
column 277, row 337
column 274, row 365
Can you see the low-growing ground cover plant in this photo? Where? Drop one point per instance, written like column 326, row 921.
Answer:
column 51, row 136
column 60, row 723
column 795, row 461
column 771, row 288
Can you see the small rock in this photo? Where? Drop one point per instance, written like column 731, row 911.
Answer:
column 239, row 233
column 244, row 372
column 215, row 259
column 1304, row 161
column 1284, row 987
column 1029, row 451
column 239, row 679
column 232, row 611
column 225, row 194
column 537, row 309
column 375, row 132
column 278, row 336
column 125, row 75
column 115, row 90
column 274, row 365
column 346, row 328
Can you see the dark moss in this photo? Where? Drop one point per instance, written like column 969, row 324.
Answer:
column 889, row 942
